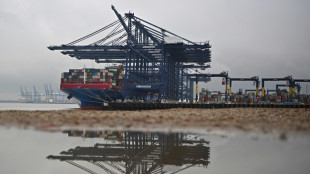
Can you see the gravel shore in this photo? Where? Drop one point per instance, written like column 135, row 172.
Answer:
column 247, row 119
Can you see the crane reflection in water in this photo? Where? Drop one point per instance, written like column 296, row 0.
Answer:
column 137, row 152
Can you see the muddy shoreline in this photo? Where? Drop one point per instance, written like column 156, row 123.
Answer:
column 265, row 120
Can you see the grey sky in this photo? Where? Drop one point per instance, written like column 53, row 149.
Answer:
column 269, row 38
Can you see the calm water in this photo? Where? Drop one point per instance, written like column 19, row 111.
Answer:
column 99, row 151
column 34, row 106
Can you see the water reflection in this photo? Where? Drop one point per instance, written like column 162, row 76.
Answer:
column 137, row 152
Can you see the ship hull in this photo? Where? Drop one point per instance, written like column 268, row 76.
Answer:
column 91, row 96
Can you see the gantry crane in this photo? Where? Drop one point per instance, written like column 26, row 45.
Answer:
column 190, row 89
column 222, row 74
column 22, row 94
column 254, row 79
column 186, row 81
column 28, row 94
column 299, row 81
column 153, row 57
column 297, row 85
column 37, row 95
column 289, row 79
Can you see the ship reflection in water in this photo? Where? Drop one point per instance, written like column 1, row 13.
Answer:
column 137, row 152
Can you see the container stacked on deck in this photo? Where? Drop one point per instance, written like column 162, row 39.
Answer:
column 239, row 98
column 110, row 75
column 272, row 97
column 304, row 98
column 206, row 96
column 116, row 77
column 279, row 96
column 251, row 97
column 202, row 95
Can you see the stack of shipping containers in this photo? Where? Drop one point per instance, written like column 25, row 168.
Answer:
column 109, row 75
column 207, row 96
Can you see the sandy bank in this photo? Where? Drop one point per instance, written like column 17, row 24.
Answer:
column 249, row 119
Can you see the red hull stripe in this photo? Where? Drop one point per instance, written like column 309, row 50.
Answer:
column 85, row 86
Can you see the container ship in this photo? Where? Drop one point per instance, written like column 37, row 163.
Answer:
column 93, row 87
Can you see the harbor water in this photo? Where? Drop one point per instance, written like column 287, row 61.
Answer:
column 36, row 106
column 98, row 151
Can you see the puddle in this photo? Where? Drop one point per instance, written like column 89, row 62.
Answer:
column 103, row 151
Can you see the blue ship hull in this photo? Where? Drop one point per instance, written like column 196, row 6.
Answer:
column 93, row 98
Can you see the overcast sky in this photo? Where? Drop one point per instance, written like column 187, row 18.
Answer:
column 269, row 38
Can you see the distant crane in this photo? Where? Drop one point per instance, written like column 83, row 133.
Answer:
column 186, row 89
column 47, row 93
column 28, row 94
column 22, row 94
column 297, row 85
column 300, row 81
column 287, row 78
column 222, row 74
column 254, row 79
column 36, row 95
column 52, row 94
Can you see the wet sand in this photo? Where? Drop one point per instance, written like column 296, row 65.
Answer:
column 266, row 120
